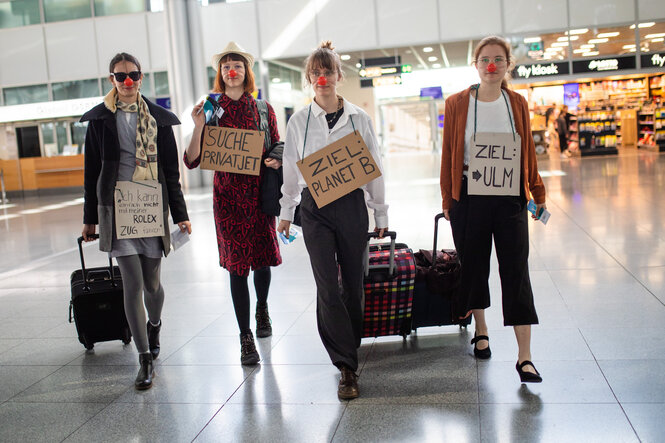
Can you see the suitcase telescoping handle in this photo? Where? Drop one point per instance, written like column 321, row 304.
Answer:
column 85, row 273
column 437, row 217
column 391, row 260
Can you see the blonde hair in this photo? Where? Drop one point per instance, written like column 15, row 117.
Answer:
column 499, row 41
column 323, row 57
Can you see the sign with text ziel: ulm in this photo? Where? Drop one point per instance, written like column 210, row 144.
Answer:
column 494, row 164
column 232, row 150
column 138, row 209
column 341, row 167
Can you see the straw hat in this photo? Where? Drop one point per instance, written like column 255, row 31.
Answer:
column 233, row 48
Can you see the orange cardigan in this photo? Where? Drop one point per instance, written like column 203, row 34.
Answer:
column 452, row 154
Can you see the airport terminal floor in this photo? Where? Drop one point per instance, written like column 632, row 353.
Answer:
column 598, row 273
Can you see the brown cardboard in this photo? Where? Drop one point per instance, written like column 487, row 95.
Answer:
column 341, row 167
column 138, row 209
column 494, row 164
column 232, row 150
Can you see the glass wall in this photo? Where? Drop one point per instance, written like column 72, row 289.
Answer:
column 161, row 84
column 147, row 88
column 25, row 94
column 76, row 89
column 19, row 13
column 60, row 10
column 652, row 37
column 112, row 7
column 603, row 41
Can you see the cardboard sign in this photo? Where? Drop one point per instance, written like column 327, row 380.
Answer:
column 232, row 150
column 339, row 168
column 138, row 209
column 494, row 164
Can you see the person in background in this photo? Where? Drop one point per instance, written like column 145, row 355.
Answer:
column 246, row 236
column 336, row 234
column 562, row 128
column 129, row 138
column 477, row 219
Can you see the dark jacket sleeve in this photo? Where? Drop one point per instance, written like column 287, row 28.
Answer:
column 169, row 160
column 93, row 166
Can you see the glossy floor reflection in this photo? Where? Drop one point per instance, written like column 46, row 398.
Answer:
column 598, row 272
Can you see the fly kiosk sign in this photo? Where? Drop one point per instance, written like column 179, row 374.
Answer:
column 338, row 169
column 232, row 150
column 494, row 164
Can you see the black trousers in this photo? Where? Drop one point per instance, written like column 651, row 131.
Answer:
column 476, row 220
column 336, row 238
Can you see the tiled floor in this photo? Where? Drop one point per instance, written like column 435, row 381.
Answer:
column 598, row 271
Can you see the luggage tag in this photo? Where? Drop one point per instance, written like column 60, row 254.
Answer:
column 179, row 238
column 544, row 213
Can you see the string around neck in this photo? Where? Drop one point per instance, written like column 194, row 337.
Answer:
column 475, row 112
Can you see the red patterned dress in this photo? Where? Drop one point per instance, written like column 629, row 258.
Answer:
column 246, row 236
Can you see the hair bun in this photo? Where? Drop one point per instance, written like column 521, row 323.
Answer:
column 327, row 44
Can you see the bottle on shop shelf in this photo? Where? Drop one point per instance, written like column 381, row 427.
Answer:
column 593, row 142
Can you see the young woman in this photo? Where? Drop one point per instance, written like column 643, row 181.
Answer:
column 477, row 219
column 335, row 235
column 130, row 139
column 246, row 236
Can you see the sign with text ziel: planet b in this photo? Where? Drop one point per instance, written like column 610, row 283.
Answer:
column 138, row 209
column 494, row 164
column 232, row 150
column 341, row 167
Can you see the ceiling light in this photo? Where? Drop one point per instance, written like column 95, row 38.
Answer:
column 345, row 57
column 579, row 51
column 657, row 40
column 599, row 40
column 587, row 46
column 553, row 49
column 643, row 25
column 358, row 65
column 650, row 36
column 436, row 65
column 571, row 38
column 276, row 80
column 533, row 40
column 590, row 54
column 577, row 31
column 559, row 44
column 608, row 34
column 628, row 46
column 633, row 50
column 427, row 49
column 432, row 59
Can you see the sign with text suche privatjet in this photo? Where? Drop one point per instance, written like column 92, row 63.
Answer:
column 338, row 169
column 232, row 150
column 138, row 209
column 494, row 164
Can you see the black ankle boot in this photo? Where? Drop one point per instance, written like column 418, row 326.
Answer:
column 153, row 338
column 146, row 372
column 248, row 353
column 263, row 327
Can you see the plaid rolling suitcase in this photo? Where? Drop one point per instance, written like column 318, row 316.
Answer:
column 97, row 304
column 390, row 272
column 436, row 299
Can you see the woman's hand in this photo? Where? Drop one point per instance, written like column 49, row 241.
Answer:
column 198, row 116
column 87, row 231
column 185, row 226
column 446, row 214
column 539, row 210
column 283, row 227
column 272, row 163
column 381, row 231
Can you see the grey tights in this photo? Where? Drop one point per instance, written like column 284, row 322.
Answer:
column 140, row 276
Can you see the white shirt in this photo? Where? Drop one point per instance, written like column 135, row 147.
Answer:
column 318, row 137
column 492, row 117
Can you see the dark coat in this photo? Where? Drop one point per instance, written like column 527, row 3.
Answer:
column 102, row 158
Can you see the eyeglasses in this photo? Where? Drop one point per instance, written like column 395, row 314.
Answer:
column 327, row 73
column 121, row 76
column 486, row 61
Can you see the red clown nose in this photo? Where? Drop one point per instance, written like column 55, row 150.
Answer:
column 129, row 82
column 322, row 81
column 491, row 67
column 233, row 74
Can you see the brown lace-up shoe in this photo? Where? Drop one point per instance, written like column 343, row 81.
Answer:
column 348, row 385
column 248, row 354
column 263, row 327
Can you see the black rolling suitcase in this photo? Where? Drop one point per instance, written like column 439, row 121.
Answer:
column 97, row 304
column 390, row 271
column 436, row 297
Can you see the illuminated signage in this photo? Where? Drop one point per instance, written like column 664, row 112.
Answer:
column 604, row 64
column 540, row 70
column 653, row 60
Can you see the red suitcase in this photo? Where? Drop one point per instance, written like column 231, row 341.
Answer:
column 390, row 272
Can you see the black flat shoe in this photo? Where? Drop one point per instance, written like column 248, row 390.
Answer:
column 153, row 338
column 528, row 377
column 482, row 354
